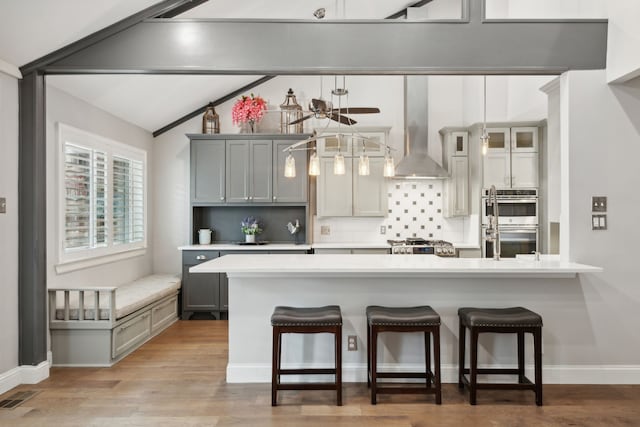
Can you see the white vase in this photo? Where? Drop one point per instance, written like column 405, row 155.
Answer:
column 250, row 238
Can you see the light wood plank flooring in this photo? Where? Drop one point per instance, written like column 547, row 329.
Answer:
column 178, row 379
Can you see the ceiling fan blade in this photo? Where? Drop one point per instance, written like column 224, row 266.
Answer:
column 342, row 119
column 357, row 110
column 302, row 119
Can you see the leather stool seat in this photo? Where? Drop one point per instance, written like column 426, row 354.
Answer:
column 513, row 316
column 515, row 320
column 306, row 316
column 306, row 320
column 404, row 319
column 402, row 316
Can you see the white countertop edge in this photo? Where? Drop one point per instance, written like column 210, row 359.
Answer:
column 409, row 275
column 236, row 247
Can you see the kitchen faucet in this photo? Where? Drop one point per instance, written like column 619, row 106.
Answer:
column 492, row 234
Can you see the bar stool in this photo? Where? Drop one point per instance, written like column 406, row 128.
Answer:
column 306, row 320
column 515, row 320
column 404, row 319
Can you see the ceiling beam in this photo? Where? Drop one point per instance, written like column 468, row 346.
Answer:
column 215, row 103
column 383, row 47
column 162, row 9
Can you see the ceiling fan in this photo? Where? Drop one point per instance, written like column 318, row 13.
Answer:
column 321, row 109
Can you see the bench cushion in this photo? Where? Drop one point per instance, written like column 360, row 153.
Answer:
column 129, row 297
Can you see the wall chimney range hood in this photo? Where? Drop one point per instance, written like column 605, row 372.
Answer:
column 417, row 164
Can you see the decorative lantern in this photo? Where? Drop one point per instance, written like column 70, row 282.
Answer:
column 210, row 120
column 290, row 111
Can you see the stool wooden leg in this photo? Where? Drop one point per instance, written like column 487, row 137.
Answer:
column 537, row 346
column 427, row 358
column 461, row 350
column 521, row 357
column 374, row 362
column 275, row 365
column 338, row 345
column 368, row 355
column 436, row 363
column 473, row 375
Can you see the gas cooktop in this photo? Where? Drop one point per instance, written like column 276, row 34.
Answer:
column 420, row 246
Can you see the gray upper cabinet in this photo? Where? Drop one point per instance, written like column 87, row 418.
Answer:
column 207, row 171
column 289, row 190
column 249, row 170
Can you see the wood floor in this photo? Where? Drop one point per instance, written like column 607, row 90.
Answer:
column 178, row 379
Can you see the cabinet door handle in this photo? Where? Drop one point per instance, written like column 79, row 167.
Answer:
column 275, row 198
column 246, row 198
column 251, row 198
column 201, row 257
column 222, row 198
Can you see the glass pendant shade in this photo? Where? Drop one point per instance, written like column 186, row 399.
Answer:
column 363, row 165
column 389, row 168
column 210, row 121
column 485, row 142
column 290, row 111
column 290, row 167
column 338, row 165
column 314, row 165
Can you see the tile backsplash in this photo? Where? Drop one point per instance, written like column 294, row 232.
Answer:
column 414, row 210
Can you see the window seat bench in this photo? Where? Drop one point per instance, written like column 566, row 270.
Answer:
column 126, row 317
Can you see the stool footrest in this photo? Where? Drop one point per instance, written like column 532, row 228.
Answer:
column 526, row 384
column 306, row 371
column 403, row 374
column 406, row 390
column 494, row 371
column 307, row 386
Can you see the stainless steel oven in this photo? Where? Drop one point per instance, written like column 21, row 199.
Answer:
column 513, row 240
column 515, row 207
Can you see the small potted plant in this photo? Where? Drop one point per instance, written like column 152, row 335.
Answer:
column 250, row 226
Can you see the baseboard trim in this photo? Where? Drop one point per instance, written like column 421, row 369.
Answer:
column 24, row 375
column 552, row 374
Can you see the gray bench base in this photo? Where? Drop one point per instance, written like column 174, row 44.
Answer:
column 105, row 343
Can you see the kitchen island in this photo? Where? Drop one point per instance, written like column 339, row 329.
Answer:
column 258, row 283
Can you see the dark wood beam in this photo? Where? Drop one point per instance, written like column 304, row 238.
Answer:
column 215, row 103
column 180, row 9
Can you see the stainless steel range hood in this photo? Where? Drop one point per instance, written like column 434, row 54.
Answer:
column 416, row 163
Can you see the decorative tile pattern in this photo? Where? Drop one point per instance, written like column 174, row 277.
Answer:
column 415, row 209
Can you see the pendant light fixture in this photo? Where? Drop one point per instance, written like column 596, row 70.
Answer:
column 484, row 138
column 314, row 164
column 389, row 169
column 363, row 162
column 290, row 166
column 338, row 164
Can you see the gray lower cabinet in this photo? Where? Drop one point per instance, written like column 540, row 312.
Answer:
column 209, row 292
column 200, row 291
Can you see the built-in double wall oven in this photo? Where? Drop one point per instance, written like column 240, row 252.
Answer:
column 517, row 222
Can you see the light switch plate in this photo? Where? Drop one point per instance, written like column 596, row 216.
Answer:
column 599, row 222
column 325, row 230
column 598, row 204
column 3, row 205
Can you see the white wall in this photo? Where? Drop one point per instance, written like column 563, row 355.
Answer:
column 62, row 107
column 8, row 225
column 602, row 137
column 623, row 54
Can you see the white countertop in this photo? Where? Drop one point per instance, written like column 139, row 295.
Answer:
column 351, row 245
column 389, row 266
column 237, row 247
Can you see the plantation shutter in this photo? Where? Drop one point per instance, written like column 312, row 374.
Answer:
column 128, row 200
column 85, row 180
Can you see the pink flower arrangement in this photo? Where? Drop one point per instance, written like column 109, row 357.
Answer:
column 248, row 110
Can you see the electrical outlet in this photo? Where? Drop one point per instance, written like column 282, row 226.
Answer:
column 352, row 343
column 325, row 230
column 3, row 205
column 383, row 229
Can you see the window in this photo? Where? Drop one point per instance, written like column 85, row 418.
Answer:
column 102, row 198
